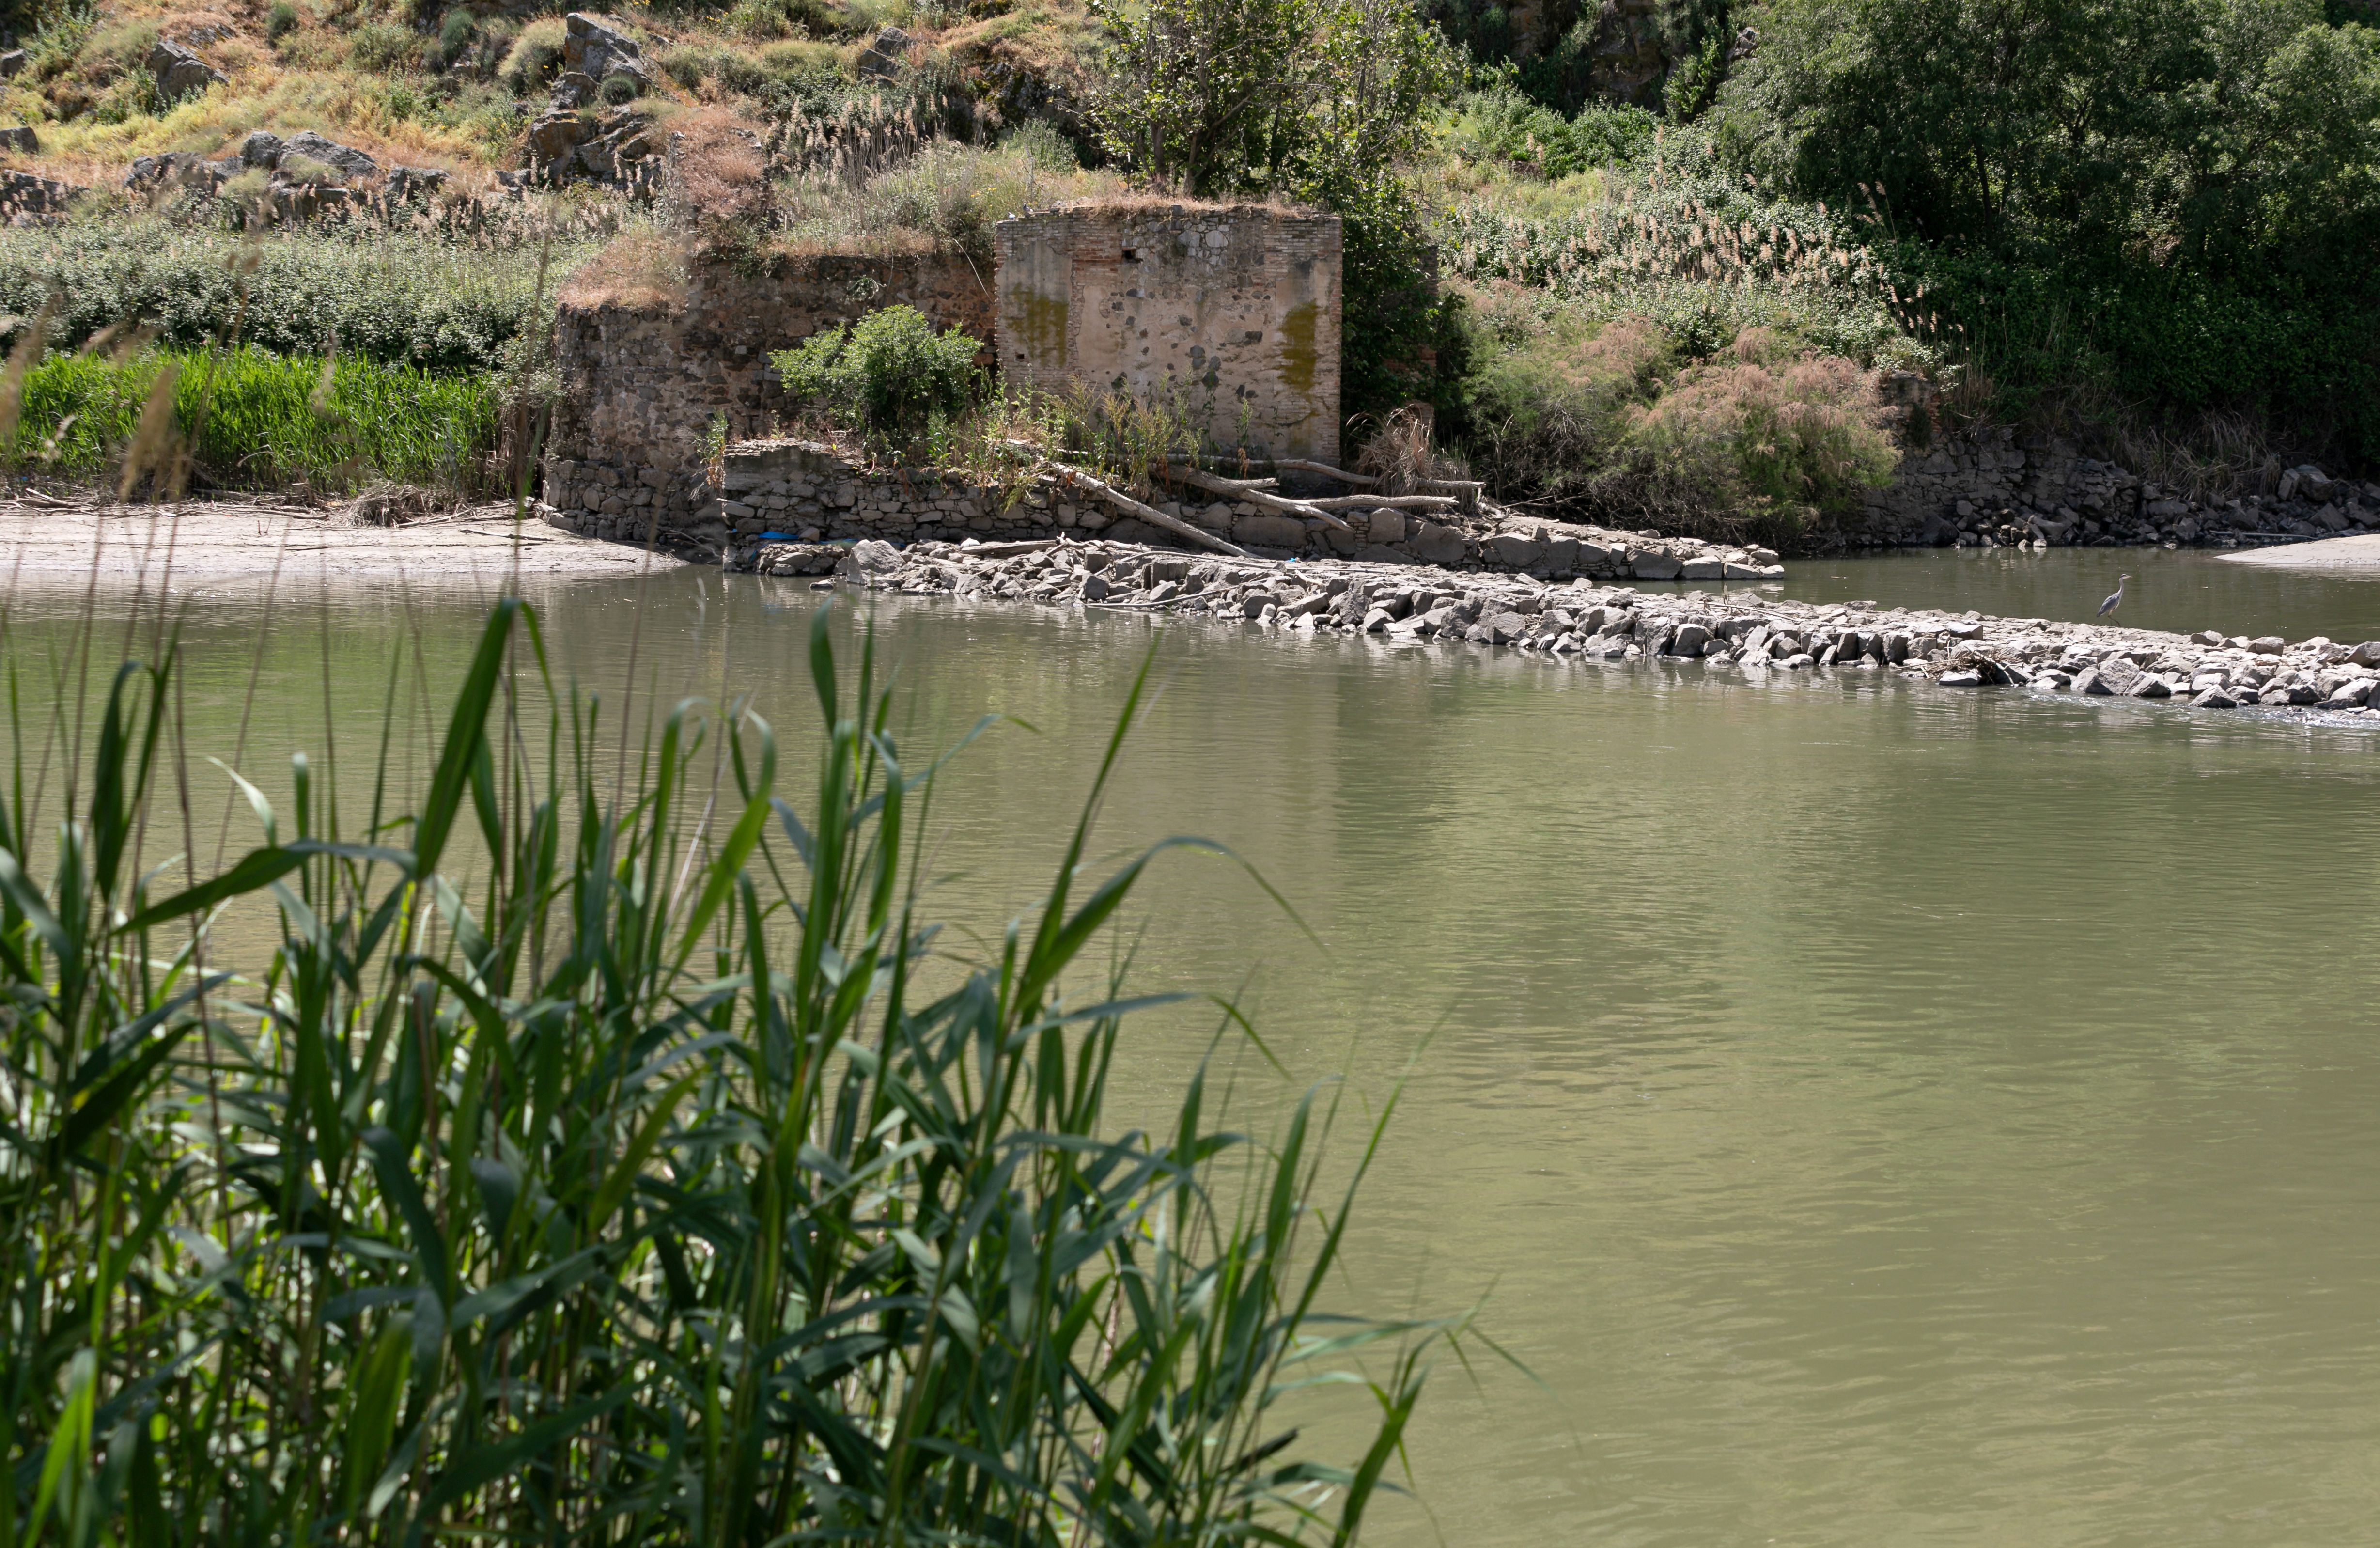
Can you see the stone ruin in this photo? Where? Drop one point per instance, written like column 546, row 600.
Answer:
column 1235, row 311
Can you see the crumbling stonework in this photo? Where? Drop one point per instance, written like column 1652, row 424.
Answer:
column 640, row 389
column 1235, row 311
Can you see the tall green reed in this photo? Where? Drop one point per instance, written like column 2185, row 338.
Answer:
column 652, row 1176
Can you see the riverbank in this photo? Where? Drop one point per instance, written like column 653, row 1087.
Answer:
column 1586, row 620
column 51, row 539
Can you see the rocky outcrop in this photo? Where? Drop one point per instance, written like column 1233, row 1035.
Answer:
column 884, row 55
column 178, row 72
column 620, row 148
column 27, row 199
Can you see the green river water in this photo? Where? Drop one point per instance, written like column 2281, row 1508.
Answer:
column 1877, row 1115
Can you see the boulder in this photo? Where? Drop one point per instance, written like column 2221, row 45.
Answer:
column 556, row 138
column 180, row 73
column 1515, row 549
column 2089, row 681
column 24, row 195
column 1386, row 526
column 262, row 149
column 1437, row 546
column 1269, row 532
column 1690, row 640
column 1653, row 564
column 2213, row 699
column 173, row 169
column 20, row 140
column 593, row 48
column 414, row 182
column 883, row 57
column 2365, row 654
column 342, row 159
column 2267, row 645
column 1702, row 569
column 13, row 63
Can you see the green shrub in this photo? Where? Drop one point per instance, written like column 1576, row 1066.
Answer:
column 280, row 20
column 1545, row 405
column 536, row 55
column 889, row 375
column 390, row 297
column 456, row 34
column 262, row 420
column 1779, row 442
column 379, row 45
column 619, row 90
column 1501, row 125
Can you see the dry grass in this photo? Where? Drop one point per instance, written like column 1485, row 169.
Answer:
column 717, row 175
column 641, row 271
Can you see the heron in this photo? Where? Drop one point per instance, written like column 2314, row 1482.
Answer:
column 2114, row 597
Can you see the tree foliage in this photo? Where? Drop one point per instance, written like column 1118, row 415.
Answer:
column 2178, row 198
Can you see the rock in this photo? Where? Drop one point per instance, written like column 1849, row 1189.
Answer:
column 556, row 138
column 2149, row 687
column 2267, row 645
column 414, row 182
column 173, row 169
column 1962, row 630
column 2119, row 675
column 1702, row 569
column 2365, row 654
column 883, row 57
column 2206, row 636
column 12, row 64
column 592, row 48
column 1386, row 526
column 1966, row 678
column 262, row 149
column 1269, row 532
column 1513, row 549
column 1505, row 627
column 2213, row 699
column 1095, row 587
column 1437, row 546
column 2348, row 695
column 1653, row 565
column 2089, row 681
column 24, row 195
column 180, row 73
column 1690, row 640
column 343, row 159
column 19, row 139
column 1795, row 662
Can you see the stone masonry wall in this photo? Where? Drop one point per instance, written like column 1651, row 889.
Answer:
column 639, row 389
column 2002, row 487
column 778, row 501
column 1237, row 311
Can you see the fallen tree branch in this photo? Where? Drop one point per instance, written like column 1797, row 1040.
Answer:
column 1392, row 502
column 1151, row 514
column 1239, row 489
column 1352, row 480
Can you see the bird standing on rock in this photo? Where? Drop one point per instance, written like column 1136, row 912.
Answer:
column 2114, row 597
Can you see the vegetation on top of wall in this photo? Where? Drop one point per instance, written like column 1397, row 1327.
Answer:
column 385, row 297
column 889, row 376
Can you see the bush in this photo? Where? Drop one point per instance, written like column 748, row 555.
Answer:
column 382, row 46
column 1781, row 442
column 535, row 56
column 390, row 296
column 280, row 20
column 1545, row 412
column 619, row 90
column 1501, row 125
column 889, row 375
column 456, row 34
column 264, row 420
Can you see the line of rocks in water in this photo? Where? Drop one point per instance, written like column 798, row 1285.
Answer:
column 1591, row 621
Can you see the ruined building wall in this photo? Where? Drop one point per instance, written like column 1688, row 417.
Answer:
column 1237, row 311
column 641, row 387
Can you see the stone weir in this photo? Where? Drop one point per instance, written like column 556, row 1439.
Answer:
column 1586, row 621
column 780, row 506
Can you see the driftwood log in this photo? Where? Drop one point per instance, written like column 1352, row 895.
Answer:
column 1245, row 489
column 1151, row 514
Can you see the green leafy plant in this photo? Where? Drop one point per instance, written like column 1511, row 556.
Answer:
column 889, row 375
column 591, row 1163
column 280, row 20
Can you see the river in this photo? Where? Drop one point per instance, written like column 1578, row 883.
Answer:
column 1878, row 1116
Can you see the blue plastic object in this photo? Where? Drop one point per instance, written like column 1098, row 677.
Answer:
column 776, row 537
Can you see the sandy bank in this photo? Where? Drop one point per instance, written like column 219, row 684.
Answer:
column 48, row 544
column 2350, row 556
